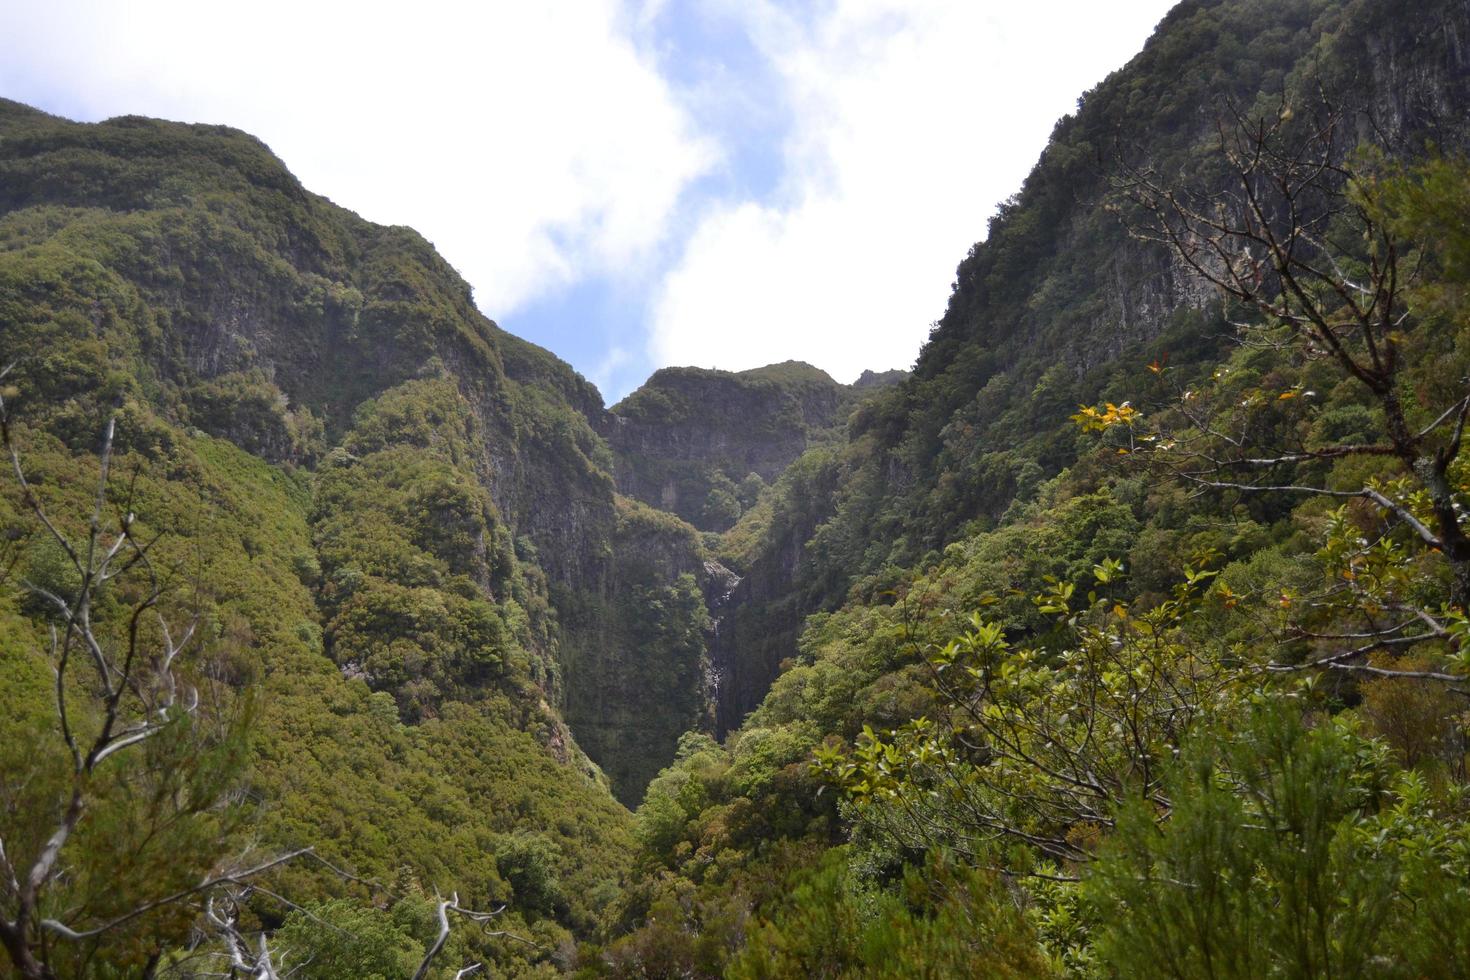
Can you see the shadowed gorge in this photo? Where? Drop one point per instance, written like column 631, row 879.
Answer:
column 1123, row 635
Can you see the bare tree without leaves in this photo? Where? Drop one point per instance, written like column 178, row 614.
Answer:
column 1296, row 240
column 114, row 690
column 444, row 908
column 243, row 952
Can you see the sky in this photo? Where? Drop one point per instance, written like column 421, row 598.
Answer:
column 629, row 183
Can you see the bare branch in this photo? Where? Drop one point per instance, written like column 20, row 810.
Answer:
column 232, row 877
column 451, row 904
column 444, row 906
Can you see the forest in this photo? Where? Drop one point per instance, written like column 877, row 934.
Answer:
column 344, row 634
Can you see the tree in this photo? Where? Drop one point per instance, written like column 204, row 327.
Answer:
column 1324, row 254
column 1293, row 849
column 119, row 798
column 1035, row 745
column 125, row 794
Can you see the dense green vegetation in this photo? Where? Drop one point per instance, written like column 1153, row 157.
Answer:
column 445, row 803
column 1170, row 714
column 1017, row 666
column 1031, row 650
column 704, row 444
column 348, row 481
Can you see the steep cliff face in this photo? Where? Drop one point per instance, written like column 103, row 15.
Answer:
column 1060, row 303
column 1060, row 283
column 750, row 454
column 185, row 270
column 267, row 314
column 1408, row 67
column 762, row 599
column 635, row 651
column 704, row 444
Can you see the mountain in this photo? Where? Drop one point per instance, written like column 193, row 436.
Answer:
column 453, row 616
column 689, row 440
column 1061, row 305
column 405, row 533
column 938, row 616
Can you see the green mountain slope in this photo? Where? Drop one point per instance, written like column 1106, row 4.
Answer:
column 912, row 670
column 368, row 464
column 981, row 655
column 1061, row 306
column 689, row 440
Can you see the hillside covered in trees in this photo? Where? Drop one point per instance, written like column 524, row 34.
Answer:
column 344, row 634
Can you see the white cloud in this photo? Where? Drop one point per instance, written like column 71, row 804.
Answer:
column 538, row 146
column 604, row 374
column 530, row 141
column 912, row 120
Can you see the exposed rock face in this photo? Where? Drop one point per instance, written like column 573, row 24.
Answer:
column 272, row 322
column 635, row 650
column 1413, row 72
column 879, row 379
column 689, row 440
column 757, row 622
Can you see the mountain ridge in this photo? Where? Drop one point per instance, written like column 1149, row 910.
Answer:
column 485, row 614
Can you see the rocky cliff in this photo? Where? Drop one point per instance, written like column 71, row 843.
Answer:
column 636, row 649
column 1062, row 303
column 704, row 444
column 183, row 270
